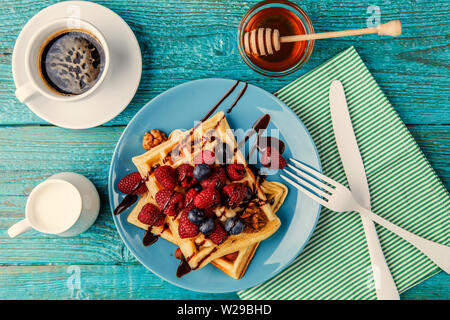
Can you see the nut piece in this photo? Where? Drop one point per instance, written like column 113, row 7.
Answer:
column 153, row 138
column 253, row 218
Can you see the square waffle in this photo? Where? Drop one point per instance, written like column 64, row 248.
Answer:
column 234, row 264
column 181, row 148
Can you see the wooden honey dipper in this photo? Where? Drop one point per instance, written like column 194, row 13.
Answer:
column 268, row 40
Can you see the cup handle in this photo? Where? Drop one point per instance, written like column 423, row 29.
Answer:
column 25, row 92
column 19, row 228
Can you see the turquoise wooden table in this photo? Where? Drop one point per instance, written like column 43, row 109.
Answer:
column 182, row 41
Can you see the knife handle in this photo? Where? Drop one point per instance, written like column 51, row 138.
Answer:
column 384, row 283
column 436, row 252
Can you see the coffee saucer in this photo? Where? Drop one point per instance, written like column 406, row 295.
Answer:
column 116, row 91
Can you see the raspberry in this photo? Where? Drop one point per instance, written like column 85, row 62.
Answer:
column 273, row 159
column 217, row 179
column 185, row 175
column 189, row 198
column 236, row 171
column 170, row 202
column 130, row 182
column 207, row 198
column 219, row 235
column 206, row 156
column 151, row 215
column 186, row 229
column 166, row 176
column 234, row 194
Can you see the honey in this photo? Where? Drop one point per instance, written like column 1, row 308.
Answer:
column 288, row 23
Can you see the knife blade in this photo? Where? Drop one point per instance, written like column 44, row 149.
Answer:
column 357, row 180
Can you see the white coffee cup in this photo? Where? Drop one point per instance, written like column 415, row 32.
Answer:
column 36, row 85
column 65, row 204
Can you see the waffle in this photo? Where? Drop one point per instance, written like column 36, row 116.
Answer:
column 181, row 148
column 235, row 264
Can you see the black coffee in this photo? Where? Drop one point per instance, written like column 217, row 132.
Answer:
column 71, row 61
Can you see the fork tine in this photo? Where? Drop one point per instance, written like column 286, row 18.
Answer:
column 313, row 172
column 305, row 191
column 306, row 176
column 307, row 184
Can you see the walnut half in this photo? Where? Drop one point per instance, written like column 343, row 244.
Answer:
column 153, row 138
column 253, row 218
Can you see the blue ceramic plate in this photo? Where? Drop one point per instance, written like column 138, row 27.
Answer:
column 179, row 107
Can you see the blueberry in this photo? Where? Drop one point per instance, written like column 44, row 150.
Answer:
column 197, row 187
column 234, row 226
column 196, row 216
column 202, row 171
column 207, row 226
column 248, row 194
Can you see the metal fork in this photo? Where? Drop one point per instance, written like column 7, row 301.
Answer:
column 337, row 197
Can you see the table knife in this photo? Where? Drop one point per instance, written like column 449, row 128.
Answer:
column 356, row 176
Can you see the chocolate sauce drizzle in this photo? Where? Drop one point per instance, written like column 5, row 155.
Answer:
column 211, row 111
column 183, row 268
column 238, row 98
column 149, row 237
column 208, row 114
column 125, row 203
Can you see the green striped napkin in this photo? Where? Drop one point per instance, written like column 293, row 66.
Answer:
column 335, row 264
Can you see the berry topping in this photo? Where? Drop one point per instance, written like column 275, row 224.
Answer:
column 234, row 226
column 272, row 159
column 169, row 201
column 185, row 175
column 132, row 184
column 234, row 194
column 151, row 215
column 217, row 179
column 166, row 176
column 219, row 234
column 206, row 156
column 196, row 216
column 186, row 229
column 198, row 187
column 207, row 226
column 224, row 153
column 236, row 171
column 207, row 198
column 189, row 198
column 202, row 171
column 248, row 194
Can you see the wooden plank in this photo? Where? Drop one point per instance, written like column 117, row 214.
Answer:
column 135, row 282
column 30, row 154
column 434, row 288
column 182, row 41
column 95, row 282
column 186, row 40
